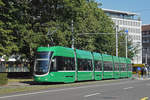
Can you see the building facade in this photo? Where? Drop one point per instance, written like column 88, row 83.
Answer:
column 146, row 44
column 127, row 21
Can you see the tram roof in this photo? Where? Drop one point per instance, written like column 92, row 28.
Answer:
column 122, row 60
column 116, row 59
column 97, row 56
column 107, row 57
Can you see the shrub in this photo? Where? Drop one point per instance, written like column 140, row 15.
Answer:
column 3, row 78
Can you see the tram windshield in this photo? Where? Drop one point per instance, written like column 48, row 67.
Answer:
column 42, row 63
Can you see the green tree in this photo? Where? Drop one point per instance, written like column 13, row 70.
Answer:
column 24, row 26
column 7, row 43
column 87, row 17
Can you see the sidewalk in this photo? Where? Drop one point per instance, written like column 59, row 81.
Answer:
column 17, row 84
column 14, row 84
column 141, row 78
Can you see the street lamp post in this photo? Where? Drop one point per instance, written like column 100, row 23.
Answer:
column 117, row 41
column 126, row 43
column 146, row 57
column 72, row 35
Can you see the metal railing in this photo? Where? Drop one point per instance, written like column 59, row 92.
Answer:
column 14, row 67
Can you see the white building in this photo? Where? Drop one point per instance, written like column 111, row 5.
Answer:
column 131, row 22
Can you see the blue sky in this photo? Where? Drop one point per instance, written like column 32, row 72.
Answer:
column 137, row 6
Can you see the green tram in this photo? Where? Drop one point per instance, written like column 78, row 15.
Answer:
column 61, row 64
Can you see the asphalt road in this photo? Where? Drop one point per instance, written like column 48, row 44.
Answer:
column 124, row 89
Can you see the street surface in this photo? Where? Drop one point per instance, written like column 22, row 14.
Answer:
column 122, row 89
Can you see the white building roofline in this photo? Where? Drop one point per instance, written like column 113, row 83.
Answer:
column 119, row 12
column 146, row 25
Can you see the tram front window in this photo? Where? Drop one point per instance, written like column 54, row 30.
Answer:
column 42, row 63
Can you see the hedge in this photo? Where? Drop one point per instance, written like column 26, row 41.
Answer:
column 3, row 78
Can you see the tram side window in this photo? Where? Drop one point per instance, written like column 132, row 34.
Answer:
column 53, row 65
column 65, row 63
column 90, row 67
column 123, row 67
column 105, row 66
column 85, row 65
column 129, row 67
column 116, row 67
column 120, row 67
column 108, row 66
column 98, row 65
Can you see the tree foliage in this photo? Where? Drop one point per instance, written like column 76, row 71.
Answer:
column 7, row 43
column 27, row 24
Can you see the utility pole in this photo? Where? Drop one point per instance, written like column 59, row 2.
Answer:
column 126, row 46
column 146, row 56
column 72, row 35
column 117, row 40
column 126, row 43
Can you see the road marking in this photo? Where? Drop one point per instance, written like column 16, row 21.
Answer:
column 58, row 90
column 91, row 95
column 145, row 98
column 127, row 88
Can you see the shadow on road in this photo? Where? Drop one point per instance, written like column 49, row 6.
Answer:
column 40, row 83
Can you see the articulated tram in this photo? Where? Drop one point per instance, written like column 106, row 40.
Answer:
column 61, row 64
